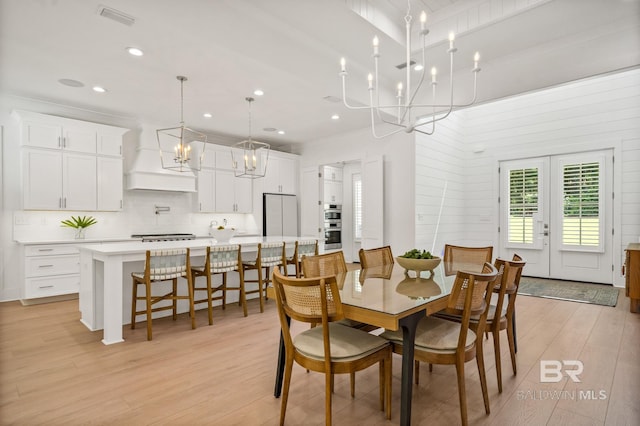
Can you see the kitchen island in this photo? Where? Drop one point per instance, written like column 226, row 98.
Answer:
column 103, row 277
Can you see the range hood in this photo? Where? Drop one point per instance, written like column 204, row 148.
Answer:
column 147, row 172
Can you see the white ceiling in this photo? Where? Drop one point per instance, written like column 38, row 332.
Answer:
column 291, row 50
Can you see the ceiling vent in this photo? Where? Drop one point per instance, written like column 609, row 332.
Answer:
column 116, row 15
column 332, row 99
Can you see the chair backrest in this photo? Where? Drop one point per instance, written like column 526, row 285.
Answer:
column 465, row 255
column 271, row 254
column 311, row 300
column 323, row 265
column 469, row 292
column 305, row 248
column 501, row 283
column 223, row 258
column 167, row 264
column 375, row 257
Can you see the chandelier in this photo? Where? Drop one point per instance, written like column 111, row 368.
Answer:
column 410, row 114
column 176, row 143
column 249, row 157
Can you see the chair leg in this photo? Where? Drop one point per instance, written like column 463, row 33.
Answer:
column 175, row 301
column 260, row 281
column 416, row 371
column 462, row 391
column 148, row 296
column 352, row 384
column 328, row 378
column 285, row 389
column 209, row 296
column 388, row 369
column 482, row 373
column 512, row 345
column 496, row 351
column 381, row 383
column 134, row 298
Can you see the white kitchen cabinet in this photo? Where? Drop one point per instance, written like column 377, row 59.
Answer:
column 206, row 191
column 109, row 183
column 281, row 175
column 233, row 194
column 70, row 164
column 332, row 173
column 333, row 192
column 50, row 270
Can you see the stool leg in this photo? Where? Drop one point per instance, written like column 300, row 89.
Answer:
column 209, row 296
column 134, row 298
column 224, row 290
column 147, row 286
column 243, row 294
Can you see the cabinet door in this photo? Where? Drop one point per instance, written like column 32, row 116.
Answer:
column 79, row 139
column 109, row 144
column 109, row 183
column 206, row 190
column 332, row 192
column 243, row 195
column 41, row 135
column 287, row 169
column 271, row 182
column 42, row 179
column 79, row 181
column 225, row 191
column 224, row 160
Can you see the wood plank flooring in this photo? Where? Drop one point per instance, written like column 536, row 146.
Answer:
column 54, row 371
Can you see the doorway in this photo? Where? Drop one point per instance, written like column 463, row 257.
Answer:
column 557, row 213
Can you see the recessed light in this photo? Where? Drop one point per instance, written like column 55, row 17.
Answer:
column 281, row 132
column 335, row 117
column 269, row 129
column 207, row 115
column 71, row 83
column 99, row 89
column 258, row 92
column 418, row 67
column 135, row 51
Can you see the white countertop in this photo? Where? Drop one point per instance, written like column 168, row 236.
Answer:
column 126, row 247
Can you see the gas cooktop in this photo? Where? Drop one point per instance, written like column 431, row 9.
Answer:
column 164, row 237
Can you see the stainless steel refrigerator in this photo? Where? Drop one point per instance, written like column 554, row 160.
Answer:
column 279, row 215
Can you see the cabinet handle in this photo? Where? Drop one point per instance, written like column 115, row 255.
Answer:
column 45, row 286
column 65, row 203
column 64, row 142
column 45, row 249
column 45, row 266
column 120, row 149
column 60, row 202
column 200, row 206
column 59, row 142
column 121, row 204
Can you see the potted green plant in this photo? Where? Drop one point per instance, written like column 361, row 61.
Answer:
column 79, row 224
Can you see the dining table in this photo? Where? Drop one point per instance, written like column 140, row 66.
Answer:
column 393, row 298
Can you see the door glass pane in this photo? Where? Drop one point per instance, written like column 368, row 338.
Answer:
column 523, row 204
column 357, row 207
column 581, row 221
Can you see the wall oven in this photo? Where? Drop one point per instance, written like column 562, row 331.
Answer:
column 332, row 226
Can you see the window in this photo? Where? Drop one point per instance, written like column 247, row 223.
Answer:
column 581, row 212
column 523, row 204
column 357, row 206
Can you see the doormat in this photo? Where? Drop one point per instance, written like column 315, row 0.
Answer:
column 598, row 294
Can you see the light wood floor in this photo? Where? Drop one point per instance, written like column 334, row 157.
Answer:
column 55, row 372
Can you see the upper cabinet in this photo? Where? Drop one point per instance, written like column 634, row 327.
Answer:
column 281, row 174
column 70, row 164
column 332, row 177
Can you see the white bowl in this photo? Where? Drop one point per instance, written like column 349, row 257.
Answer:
column 223, row 235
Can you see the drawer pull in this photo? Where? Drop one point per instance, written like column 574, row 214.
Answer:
column 49, row 249
column 45, row 286
column 45, row 266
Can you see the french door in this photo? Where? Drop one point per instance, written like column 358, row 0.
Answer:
column 556, row 212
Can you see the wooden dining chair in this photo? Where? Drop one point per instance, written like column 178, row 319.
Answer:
column 219, row 260
column 161, row 266
column 270, row 255
column 324, row 264
column 439, row 341
column 302, row 248
column 456, row 255
column 497, row 320
column 329, row 348
column 375, row 257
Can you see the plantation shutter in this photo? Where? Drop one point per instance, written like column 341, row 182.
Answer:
column 582, row 218
column 523, row 205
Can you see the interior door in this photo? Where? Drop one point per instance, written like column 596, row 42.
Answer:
column 557, row 213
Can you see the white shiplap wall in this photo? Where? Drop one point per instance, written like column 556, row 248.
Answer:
column 591, row 114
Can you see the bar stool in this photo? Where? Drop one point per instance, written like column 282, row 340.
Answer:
column 269, row 255
column 160, row 266
column 219, row 260
column 302, row 248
